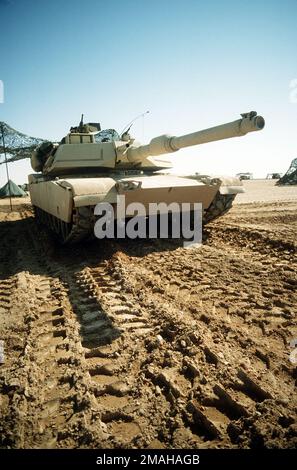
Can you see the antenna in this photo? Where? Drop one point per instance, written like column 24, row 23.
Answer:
column 128, row 126
column 81, row 124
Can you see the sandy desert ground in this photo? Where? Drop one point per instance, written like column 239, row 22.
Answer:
column 145, row 344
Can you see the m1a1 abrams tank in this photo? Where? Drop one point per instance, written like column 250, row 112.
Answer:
column 91, row 166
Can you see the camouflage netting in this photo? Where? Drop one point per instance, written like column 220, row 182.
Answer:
column 17, row 145
column 291, row 176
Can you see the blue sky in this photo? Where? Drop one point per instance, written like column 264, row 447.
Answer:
column 191, row 63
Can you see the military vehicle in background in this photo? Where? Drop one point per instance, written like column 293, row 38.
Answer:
column 90, row 166
column 244, row 176
column 273, row 176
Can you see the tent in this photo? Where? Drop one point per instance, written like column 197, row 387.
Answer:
column 11, row 189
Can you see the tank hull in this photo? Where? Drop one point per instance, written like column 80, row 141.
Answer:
column 66, row 205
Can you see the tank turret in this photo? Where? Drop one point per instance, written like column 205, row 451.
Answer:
column 85, row 147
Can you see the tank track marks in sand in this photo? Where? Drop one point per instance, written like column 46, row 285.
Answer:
column 207, row 397
column 109, row 335
column 42, row 389
column 176, row 374
column 112, row 332
column 6, row 288
column 84, row 219
column 254, row 240
column 215, row 365
column 168, row 348
column 109, row 328
column 267, row 307
column 41, row 381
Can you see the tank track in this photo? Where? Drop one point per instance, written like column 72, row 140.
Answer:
column 84, row 220
column 81, row 227
column 221, row 204
column 83, row 224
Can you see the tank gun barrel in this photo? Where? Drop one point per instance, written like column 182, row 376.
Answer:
column 249, row 122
